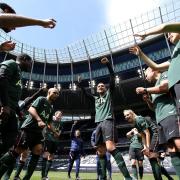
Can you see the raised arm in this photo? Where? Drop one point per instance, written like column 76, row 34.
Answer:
column 12, row 21
column 163, row 28
column 111, row 71
column 88, row 95
column 136, row 50
column 73, row 129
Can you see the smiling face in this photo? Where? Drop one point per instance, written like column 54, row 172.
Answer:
column 129, row 115
column 101, row 88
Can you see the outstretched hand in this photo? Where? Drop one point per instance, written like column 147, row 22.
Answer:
column 104, row 60
column 49, row 23
column 7, row 46
column 135, row 50
column 142, row 36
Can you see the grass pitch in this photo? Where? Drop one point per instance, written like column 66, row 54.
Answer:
column 58, row 175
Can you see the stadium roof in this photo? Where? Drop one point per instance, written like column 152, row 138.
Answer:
column 107, row 42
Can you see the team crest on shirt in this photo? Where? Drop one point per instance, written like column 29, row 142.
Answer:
column 19, row 83
column 46, row 116
column 100, row 101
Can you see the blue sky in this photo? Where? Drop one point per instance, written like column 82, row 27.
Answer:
column 76, row 19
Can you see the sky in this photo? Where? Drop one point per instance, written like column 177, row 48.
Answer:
column 76, row 19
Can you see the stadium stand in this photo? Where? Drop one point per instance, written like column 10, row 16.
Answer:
column 60, row 68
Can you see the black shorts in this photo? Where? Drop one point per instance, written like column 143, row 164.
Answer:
column 10, row 124
column 168, row 129
column 105, row 131
column 26, row 139
column 50, row 146
column 136, row 153
column 9, row 131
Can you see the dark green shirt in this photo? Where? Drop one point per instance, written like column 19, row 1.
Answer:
column 13, row 73
column 57, row 125
column 164, row 104
column 103, row 104
column 136, row 142
column 142, row 123
column 103, row 107
column 44, row 110
column 174, row 68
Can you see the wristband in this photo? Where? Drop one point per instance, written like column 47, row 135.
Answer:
column 145, row 90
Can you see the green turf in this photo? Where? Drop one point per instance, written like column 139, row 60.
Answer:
column 84, row 176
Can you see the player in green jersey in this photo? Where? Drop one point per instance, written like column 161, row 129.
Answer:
column 135, row 152
column 173, row 66
column 41, row 112
column 149, row 133
column 10, row 85
column 165, row 109
column 51, row 134
column 106, row 136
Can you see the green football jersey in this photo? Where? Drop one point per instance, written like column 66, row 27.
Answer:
column 103, row 106
column 174, row 68
column 44, row 110
column 57, row 125
column 13, row 72
column 164, row 104
column 136, row 142
column 142, row 123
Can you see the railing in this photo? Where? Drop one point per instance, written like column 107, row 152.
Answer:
column 106, row 42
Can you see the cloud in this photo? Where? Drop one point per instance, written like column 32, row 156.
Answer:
column 118, row 11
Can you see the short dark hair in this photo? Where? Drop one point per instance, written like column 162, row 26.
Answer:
column 23, row 56
column 4, row 6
